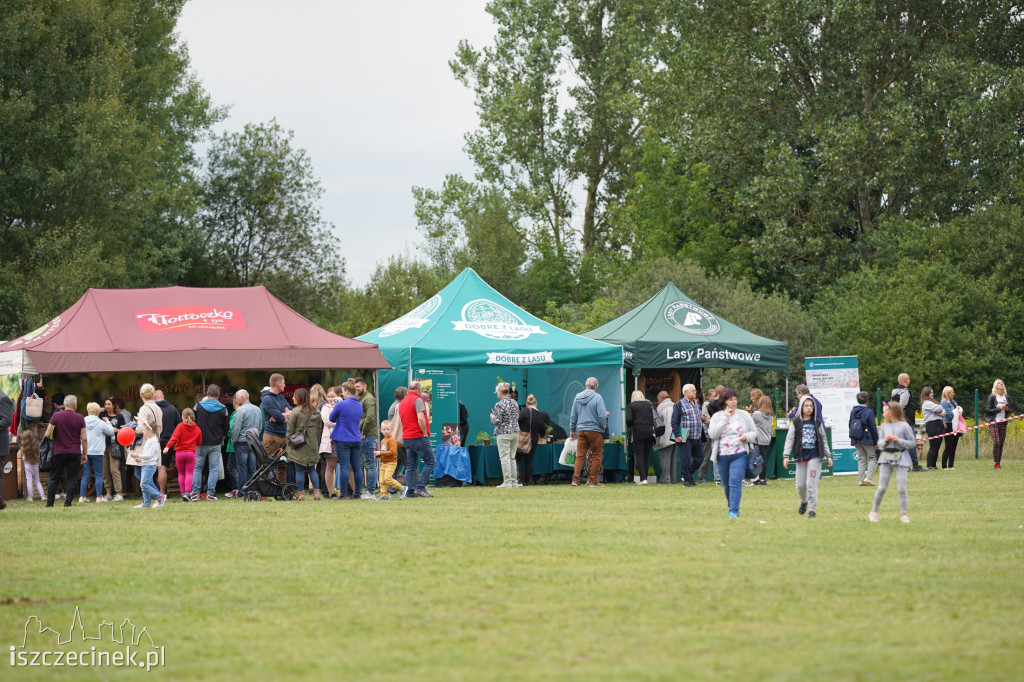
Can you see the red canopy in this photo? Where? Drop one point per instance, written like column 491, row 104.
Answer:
column 181, row 328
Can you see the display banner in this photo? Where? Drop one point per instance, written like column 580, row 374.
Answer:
column 443, row 387
column 835, row 382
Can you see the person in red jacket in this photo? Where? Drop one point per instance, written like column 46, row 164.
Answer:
column 186, row 437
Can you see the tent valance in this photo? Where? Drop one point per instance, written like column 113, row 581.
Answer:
column 669, row 330
column 182, row 328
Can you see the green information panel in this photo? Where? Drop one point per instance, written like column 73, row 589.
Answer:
column 443, row 387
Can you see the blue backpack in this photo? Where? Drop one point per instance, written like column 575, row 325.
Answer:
column 857, row 429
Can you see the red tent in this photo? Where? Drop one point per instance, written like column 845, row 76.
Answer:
column 181, row 328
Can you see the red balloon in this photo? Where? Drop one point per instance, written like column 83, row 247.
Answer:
column 126, row 436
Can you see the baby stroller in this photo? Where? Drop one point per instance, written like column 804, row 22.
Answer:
column 264, row 483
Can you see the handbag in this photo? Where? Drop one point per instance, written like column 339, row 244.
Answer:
column 45, row 454
column 961, row 424
column 33, row 407
column 298, row 439
column 754, row 465
column 568, row 456
column 659, row 423
column 525, row 443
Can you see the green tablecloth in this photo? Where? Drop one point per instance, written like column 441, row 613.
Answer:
column 485, row 463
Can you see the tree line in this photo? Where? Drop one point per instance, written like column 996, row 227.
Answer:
column 844, row 176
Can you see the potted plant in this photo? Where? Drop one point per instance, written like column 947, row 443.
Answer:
column 483, row 438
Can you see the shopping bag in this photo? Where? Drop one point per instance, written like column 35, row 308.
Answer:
column 568, row 456
column 961, row 425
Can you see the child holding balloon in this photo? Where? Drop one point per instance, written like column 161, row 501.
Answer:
column 184, row 440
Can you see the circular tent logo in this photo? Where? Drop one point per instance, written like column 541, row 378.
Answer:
column 494, row 321
column 414, row 319
column 691, row 318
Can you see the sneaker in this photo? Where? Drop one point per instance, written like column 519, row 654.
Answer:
column 367, row 495
column 185, row 497
column 802, row 508
column 404, row 492
column 873, row 517
column 998, row 467
column 211, row 498
column 141, row 505
column 734, row 515
column 409, row 493
column 904, row 518
column 811, row 515
column 160, row 501
column 868, row 481
column 644, row 482
column 118, row 498
column 202, row 496
column 718, row 483
column 746, row 484
column 195, row 497
column 106, row 498
column 576, row 483
column 917, row 469
column 506, row 484
column 101, row 499
column 688, row 484
column 82, row 499
column 595, row 485
column 384, row 497
column 231, row 495
column 760, row 482
column 425, row 493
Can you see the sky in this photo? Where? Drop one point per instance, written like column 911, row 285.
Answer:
column 365, row 87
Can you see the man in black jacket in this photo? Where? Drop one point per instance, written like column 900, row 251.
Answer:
column 212, row 420
column 6, row 417
column 170, row 420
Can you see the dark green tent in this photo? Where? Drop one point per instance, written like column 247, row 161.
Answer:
column 669, row 330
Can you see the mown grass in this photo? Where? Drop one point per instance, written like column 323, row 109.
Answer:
column 548, row 582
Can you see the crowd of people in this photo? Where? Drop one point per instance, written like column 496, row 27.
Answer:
column 333, row 444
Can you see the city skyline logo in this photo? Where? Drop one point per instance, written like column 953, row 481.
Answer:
column 414, row 319
column 691, row 318
column 494, row 321
column 128, row 646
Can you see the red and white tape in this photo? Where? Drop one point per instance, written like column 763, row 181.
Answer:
column 970, row 428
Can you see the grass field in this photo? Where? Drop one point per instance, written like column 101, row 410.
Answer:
column 550, row 582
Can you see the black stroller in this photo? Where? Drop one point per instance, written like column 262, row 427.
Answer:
column 263, row 483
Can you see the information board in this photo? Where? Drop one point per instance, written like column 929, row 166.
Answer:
column 443, row 387
column 835, row 382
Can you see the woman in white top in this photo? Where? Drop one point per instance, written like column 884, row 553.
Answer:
column 733, row 434
column 998, row 407
column 933, row 415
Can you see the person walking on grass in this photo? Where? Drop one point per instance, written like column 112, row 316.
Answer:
column 933, row 414
column 896, row 441
column 813, row 448
column 863, row 436
column 588, row 419
column 951, row 415
column 149, row 459
column 998, row 407
column 70, row 448
column 97, row 431
column 187, row 437
column 732, row 434
column 305, row 455
column 505, row 417
column 388, row 455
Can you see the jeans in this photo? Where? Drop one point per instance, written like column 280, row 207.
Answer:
column 732, row 469
column 300, row 475
column 366, row 448
column 687, row 451
column 64, row 466
column 206, row 454
column 348, row 459
column 415, row 450
column 149, row 489
column 245, row 464
column 93, row 465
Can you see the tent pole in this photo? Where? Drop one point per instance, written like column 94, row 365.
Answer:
column 376, row 392
column 787, row 393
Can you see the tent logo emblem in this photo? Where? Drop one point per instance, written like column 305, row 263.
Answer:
column 189, row 317
column 414, row 319
column 41, row 333
column 494, row 321
column 691, row 318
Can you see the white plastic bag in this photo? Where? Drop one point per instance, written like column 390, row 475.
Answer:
column 568, row 456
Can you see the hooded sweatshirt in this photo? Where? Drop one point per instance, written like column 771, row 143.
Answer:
column 588, row 412
column 170, row 421
column 274, row 405
column 867, row 417
column 212, row 419
column 95, row 430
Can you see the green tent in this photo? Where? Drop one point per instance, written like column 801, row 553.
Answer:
column 468, row 336
column 669, row 330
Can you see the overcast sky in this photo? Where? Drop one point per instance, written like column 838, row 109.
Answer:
column 367, row 90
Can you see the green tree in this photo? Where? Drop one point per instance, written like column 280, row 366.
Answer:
column 819, row 119
column 397, row 286
column 942, row 303
column 558, row 106
column 99, row 115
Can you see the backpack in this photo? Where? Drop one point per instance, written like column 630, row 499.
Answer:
column 857, row 431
